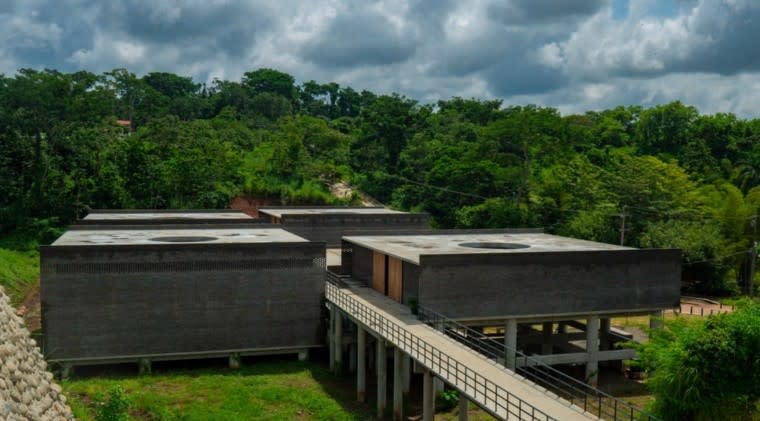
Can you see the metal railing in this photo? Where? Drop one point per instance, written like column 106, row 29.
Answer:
column 591, row 399
column 487, row 394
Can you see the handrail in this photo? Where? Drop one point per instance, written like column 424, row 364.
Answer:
column 593, row 400
column 478, row 388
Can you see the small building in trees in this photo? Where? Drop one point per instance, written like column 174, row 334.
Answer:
column 330, row 223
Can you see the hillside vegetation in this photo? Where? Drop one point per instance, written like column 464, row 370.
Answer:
column 676, row 177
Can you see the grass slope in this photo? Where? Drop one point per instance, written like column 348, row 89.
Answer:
column 277, row 390
column 19, row 271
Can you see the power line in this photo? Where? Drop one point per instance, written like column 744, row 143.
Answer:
column 716, row 258
column 446, row 189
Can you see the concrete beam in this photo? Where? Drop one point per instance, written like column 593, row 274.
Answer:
column 361, row 361
column 577, row 357
column 592, row 349
column 398, row 385
column 556, row 339
column 382, row 378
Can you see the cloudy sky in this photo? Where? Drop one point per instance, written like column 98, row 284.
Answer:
column 575, row 55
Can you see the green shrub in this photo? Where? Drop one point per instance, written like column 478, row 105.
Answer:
column 114, row 408
column 446, row 400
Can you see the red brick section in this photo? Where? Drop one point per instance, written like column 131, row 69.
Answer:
column 251, row 205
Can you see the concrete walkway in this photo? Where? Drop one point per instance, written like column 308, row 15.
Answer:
column 492, row 387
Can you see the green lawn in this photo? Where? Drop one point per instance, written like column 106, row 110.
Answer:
column 19, row 271
column 269, row 390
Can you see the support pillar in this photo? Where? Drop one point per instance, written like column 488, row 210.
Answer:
column 604, row 339
column 331, row 338
column 407, row 367
column 361, row 368
column 656, row 320
column 463, row 403
column 145, row 366
column 233, row 360
column 382, row 377
column 604, row 331
column 338, row 342
column 592, row 350
column 510, row 343
column 352, row 358
column 398, row 385
column 428, row 396
column 561, row 327
column 67, row 370
column 546, row 335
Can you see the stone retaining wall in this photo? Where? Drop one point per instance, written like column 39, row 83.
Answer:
column 27, row 390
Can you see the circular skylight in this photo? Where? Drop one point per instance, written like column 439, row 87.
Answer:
column 180, row 239
column 494, row 245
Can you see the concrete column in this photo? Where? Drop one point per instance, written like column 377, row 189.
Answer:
column 371, row 357
column 604, row 331
column 67, row 370
column 592, row 350
column 428, row 396
column 463, row 401
column 546, row 334
column 407, row 367
column 352, row 358
column 361, row 368
column 234, row 360
column 656, row 320
column 145, row 366
column 561, row 327
column 605, row 344
column 382, row 377
column 331, row 338
column 338, row 342
column 398, row 385
column 510, row 342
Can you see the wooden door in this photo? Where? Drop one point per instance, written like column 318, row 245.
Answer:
column 395, row 283
column 378, row 272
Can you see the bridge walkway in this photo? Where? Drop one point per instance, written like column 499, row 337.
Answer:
column 497, row 390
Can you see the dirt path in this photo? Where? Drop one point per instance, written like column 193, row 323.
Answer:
column 29, row 309
column 343, row 190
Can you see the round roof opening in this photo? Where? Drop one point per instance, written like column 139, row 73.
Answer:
column 179, row 239
column 494, row 245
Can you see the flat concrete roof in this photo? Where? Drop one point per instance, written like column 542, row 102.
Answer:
column 279, row 212
column 176, row 236
column 410, row 247
column 135, row 215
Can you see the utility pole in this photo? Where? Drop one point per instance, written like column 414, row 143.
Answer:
column 622, row 216
column 752, row 258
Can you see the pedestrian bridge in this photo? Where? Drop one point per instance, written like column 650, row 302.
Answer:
column 497, row 390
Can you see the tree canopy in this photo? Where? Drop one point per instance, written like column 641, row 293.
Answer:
column 677, row 178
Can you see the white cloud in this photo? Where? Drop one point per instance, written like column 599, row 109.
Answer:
column 572, row 55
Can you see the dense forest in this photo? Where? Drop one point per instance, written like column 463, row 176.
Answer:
column 664, row 176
